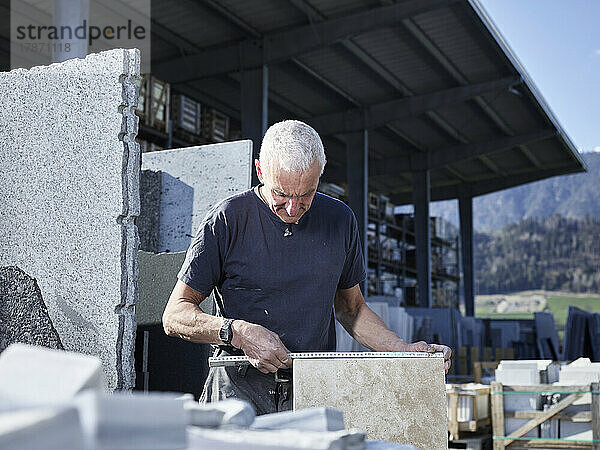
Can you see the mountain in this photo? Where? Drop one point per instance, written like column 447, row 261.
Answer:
column 551, row 253
column 569, row 196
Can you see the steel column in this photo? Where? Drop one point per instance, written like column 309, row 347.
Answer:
column 422, row 236
column 465, row 207
column 255, row 98
column 357, row 157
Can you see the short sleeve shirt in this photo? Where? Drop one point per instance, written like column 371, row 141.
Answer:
column 281, row 276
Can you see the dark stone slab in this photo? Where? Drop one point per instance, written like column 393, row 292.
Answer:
column 547, row 336
column 148, row 222
column 23, row 314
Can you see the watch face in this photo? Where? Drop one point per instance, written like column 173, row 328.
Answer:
column 225, row 332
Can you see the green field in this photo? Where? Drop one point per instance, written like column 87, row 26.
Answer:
column 557, row 305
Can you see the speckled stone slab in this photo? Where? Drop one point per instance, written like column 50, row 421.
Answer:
column 23, row 313
column 194, row 179
column 400, row 400
column 69, row 194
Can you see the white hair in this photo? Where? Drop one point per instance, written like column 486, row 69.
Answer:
column 293, row 145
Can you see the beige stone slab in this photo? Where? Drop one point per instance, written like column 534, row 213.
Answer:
column 400, row 400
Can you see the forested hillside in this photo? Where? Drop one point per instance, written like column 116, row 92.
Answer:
column 552, row 253
column 569, row 195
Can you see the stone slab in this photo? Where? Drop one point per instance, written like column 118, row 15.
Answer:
column 149, row 219
column 23, row 314
column 47, row 428
column 158, row 275
column 127, row 421
column 194, row 179
column 37, row 375
column 400, row 400
column 309, row 419
column 70, row 192
column 226, row 439
column 232, row 411
column 547, row 336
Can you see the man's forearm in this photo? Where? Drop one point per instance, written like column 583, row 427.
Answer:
column 187, row 321
column 369, row 330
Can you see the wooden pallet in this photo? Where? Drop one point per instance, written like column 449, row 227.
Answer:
column 516, row 440
column 476, row 424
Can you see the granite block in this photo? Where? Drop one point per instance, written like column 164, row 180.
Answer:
column 149, row 219
column 23, row 314
column 70, row 166
column 232, row 411
column 309, row 419
column 37, row 375
column 41, row 428
column 127, row 421
column 194, row 179
column 201, row 438
column 400, row 400
column 158, row 275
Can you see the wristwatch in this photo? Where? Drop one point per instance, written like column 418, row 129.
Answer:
column 225, row 333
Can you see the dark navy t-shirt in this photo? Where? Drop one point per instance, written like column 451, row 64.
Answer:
column 264, row 275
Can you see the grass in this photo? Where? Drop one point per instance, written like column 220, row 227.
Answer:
column 557, row 305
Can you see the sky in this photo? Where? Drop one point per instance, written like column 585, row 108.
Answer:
column 558, row 43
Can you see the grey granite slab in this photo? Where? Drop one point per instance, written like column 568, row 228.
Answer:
column 401, row 400
column 70, row 192
column 193, row 180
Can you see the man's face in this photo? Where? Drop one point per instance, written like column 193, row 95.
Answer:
column 289, row 194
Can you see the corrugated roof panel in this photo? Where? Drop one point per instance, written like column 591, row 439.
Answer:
column 393, row 48
column 265, row 16
column 222, row 88
column 516, row 111
column 336, row 8
column 549, row 152
column 195, row 22
column 471, row 168
column 311, row 96
column 510, row 160
column 468, row 119
column 423, row 132
column 452, row 32
column 339, row 67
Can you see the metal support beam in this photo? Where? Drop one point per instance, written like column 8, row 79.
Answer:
column 255, row 100
column 465, row 209
column 422, row 237
column 380, row 114
column 445, row 156
column 486, row 186
column 284, row 45
column 357, row 157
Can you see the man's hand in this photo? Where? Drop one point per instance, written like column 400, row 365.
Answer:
column 264, row 349
column 422, row 346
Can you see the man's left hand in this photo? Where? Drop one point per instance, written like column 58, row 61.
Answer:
column 422, row 346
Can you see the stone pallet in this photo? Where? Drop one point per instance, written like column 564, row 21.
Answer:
column 531, row 419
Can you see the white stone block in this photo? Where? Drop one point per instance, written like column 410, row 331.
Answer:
column 194, row 179
column 38, row 376
column 309, row 419
column 44, row 428
column 205, row 438
column 132, row 421
column 400, row 400
column 227, row 412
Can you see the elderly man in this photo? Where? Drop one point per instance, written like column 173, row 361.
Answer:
column 284, row 262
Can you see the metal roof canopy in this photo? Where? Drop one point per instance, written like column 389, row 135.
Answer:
column 432, row 81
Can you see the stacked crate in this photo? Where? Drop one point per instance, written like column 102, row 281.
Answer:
column 153, row 103
column 215, row 125
column 187, row 116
